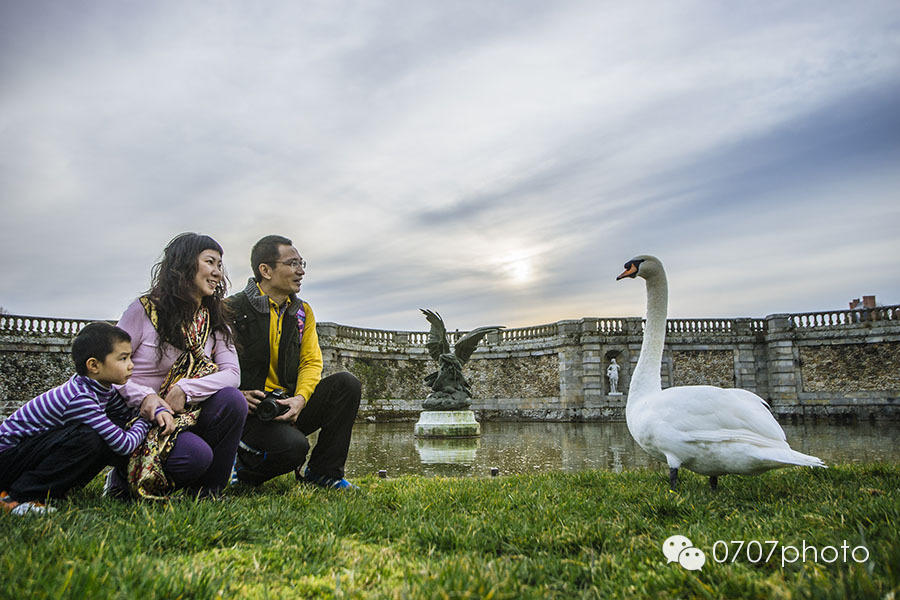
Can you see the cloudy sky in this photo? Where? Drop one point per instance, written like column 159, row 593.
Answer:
column 497, row 161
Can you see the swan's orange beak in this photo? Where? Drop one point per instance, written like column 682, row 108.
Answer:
column 630, row 271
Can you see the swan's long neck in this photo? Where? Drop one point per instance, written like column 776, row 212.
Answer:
column 646, row 378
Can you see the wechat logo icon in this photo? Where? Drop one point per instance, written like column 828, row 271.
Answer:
column 678, row 548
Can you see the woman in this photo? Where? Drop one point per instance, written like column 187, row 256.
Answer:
column 184, row 359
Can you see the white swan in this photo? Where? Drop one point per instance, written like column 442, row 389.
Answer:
column 708, row 430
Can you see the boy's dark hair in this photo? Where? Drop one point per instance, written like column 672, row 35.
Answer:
column 95, row 340
column 266, row 251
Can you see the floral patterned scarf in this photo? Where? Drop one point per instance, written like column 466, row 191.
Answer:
column 146, row 476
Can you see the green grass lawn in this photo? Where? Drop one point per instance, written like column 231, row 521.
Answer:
column 559, row 535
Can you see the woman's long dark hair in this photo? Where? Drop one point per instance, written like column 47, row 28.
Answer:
column 172, row 290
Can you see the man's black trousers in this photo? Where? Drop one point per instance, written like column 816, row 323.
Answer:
column 271, row 448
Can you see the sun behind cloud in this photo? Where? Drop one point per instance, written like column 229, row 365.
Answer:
column 518, row 268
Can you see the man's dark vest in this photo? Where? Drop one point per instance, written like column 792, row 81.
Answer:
column 251, row 335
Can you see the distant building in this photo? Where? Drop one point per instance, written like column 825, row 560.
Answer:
column 867, row 302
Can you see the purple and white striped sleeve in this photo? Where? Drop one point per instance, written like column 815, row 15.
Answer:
column 86, row 410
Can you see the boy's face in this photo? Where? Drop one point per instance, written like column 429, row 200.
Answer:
column 116, row 367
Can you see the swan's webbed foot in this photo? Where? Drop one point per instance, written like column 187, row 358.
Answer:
column 714, row 482
column 673, row 478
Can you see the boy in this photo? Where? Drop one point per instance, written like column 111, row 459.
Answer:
column 61, row 439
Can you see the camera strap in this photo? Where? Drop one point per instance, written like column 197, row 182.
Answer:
column 250, row 449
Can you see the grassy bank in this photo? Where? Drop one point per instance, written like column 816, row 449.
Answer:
column 591, row 535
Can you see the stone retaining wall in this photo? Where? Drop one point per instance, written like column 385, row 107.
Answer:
column 829, row 368
column 29, row 365
column 843, row 364
column 703, row 367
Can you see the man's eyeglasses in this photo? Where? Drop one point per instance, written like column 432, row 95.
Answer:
column 294, row 263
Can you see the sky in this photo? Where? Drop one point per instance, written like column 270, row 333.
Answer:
column 496, row 161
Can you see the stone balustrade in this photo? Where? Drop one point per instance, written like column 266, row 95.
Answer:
column 706, row 326
column 25, row 325
column 40, row 326
column 605, row 326
column 835, row 318
column 375, row 336
column 828, row 363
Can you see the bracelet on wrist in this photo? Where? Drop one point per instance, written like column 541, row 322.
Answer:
column 160, row 409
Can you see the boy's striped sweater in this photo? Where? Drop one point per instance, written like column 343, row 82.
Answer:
column 82, row 400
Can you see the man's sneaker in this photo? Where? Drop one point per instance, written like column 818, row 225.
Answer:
column 326, row 482
column 12, row 507
column 233, row 480
column 115, row 486
column 239, row 464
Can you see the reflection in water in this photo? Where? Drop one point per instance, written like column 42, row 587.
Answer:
column 532, row 447
column 452, row 451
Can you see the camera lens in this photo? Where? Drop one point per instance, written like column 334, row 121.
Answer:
column 267, row 410
column 269, row 407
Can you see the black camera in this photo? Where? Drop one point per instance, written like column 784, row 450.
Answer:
column 268, row 408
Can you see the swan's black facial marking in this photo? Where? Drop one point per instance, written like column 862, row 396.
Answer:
column 631, row 269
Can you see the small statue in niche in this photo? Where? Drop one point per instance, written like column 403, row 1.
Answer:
column 450, row 391
column 612, row 373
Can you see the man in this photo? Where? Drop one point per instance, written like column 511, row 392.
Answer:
column 278, row 349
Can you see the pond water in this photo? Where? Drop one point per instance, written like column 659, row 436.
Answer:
column 518, row 447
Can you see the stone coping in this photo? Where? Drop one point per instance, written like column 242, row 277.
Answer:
column 33, row 326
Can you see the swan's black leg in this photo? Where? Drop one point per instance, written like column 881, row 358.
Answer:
column 714, row 481
column 673, row 478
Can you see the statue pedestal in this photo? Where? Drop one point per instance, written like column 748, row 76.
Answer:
column 615, row 393
column 447, row 423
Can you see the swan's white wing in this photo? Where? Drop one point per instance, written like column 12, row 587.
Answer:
column 736, row 435
column 699, row 408
column 754, row 411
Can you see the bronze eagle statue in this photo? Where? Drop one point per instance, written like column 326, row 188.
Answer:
column 450, row 390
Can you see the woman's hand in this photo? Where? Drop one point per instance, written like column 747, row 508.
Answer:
column 253, row 397
column 296, row 404
column 155, row 410
column 176, row 398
